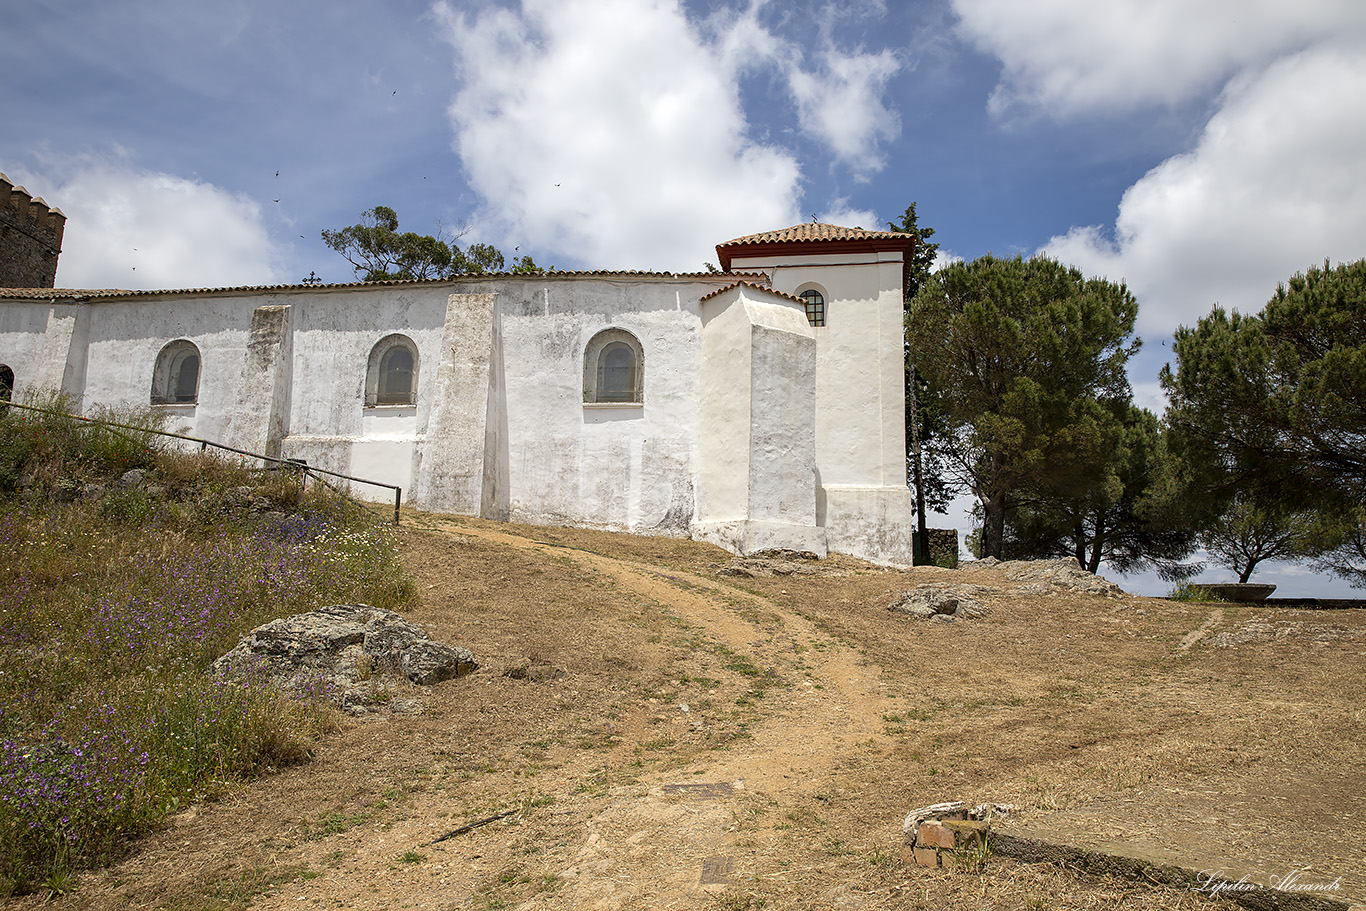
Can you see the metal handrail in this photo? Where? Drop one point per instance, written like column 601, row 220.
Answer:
column 294, row 464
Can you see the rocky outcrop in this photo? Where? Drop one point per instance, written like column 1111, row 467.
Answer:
column 347, row 653
column 779, row 562
column 941, row 601
column 1042, row 577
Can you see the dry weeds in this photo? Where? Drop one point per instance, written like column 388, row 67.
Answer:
column 815, row 718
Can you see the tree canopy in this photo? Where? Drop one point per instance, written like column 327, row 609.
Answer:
column 1279, row 398
column 923, row 422
column 1027, row 359
column 1270, row 410
column 922, row 254
column 378, row 252
column 1133, row 517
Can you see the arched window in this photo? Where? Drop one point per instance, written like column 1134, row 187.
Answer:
column 6, row 383
column 613, row 369
column 815, row 306
column 175, row 381
column 391, row 377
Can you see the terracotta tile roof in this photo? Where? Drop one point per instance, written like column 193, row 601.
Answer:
column 813, row 231
column 764, row 288
column 63, row 294
column 76, row 295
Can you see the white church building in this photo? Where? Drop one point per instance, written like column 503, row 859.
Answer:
column 758, row 407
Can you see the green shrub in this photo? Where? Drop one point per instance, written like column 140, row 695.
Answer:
column 112, row 610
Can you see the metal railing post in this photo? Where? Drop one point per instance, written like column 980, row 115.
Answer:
column 205, row 444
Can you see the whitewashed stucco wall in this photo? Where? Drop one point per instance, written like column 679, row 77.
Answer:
column 862, row 497
column 24, row 339
column 619, row 466
column 499, row 426
column 127, row 335
column 333, row 336
column 756, row 474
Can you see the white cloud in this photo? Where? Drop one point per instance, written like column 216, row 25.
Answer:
column 1150, row 395
column 839, row 101
column 605, row 130
column 943, row 258
column 1080, row 56
column 839, row 212
column 137, row 230
column 1277, row 183
column 612, row 131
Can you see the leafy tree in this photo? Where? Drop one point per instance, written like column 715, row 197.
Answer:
column 1272, row 407
column 922, row 254
column 1248, row 534
column 1133, row 518
column 1348, row 557
column 378, row 252
column 923, row 421
column 1278, row 400
column 1027, row 360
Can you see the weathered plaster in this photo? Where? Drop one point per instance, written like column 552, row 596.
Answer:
column 756, row 442
column 452, row 454
column 754, row 429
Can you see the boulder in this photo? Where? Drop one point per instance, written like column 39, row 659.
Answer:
column 755, row 567
column 347, row 653
column 938, row 600
column 132, row 479
column 1046, row 576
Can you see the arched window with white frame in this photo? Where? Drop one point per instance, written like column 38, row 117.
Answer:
column 175, row 379
column 391, row 376
column 613, row 369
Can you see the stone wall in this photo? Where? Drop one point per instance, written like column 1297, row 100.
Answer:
column 30, row 238
column 942, row 546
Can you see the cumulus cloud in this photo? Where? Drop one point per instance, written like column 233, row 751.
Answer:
column 602, row 129
column 838, row 99
column 1277, row 183
column 612, row 131
column 134, row 229
column 839, row 212
column 1077, row 56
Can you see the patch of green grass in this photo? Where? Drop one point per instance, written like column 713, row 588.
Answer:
column 1192, row 592
column 112, row 608
column 337, row 822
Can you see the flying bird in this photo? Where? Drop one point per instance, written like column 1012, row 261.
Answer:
column 277, row 173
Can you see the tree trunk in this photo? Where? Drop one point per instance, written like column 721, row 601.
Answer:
column 1097, row 548
column 993, row 525
column 920, row 553
column 1247, row 571
column 1079, row 544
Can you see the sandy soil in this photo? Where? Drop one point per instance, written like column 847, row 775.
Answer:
column 756, row 742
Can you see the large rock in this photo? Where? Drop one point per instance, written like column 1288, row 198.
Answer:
column 345, row 652
column 942, row 601
column 1045, row 576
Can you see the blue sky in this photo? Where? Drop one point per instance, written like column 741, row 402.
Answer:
column 1201, row 151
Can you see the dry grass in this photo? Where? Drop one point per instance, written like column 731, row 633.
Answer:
column 837, row 716
column 112, row 606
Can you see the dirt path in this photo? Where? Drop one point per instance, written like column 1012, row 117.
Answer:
column 672, row 838
column 659, row 736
